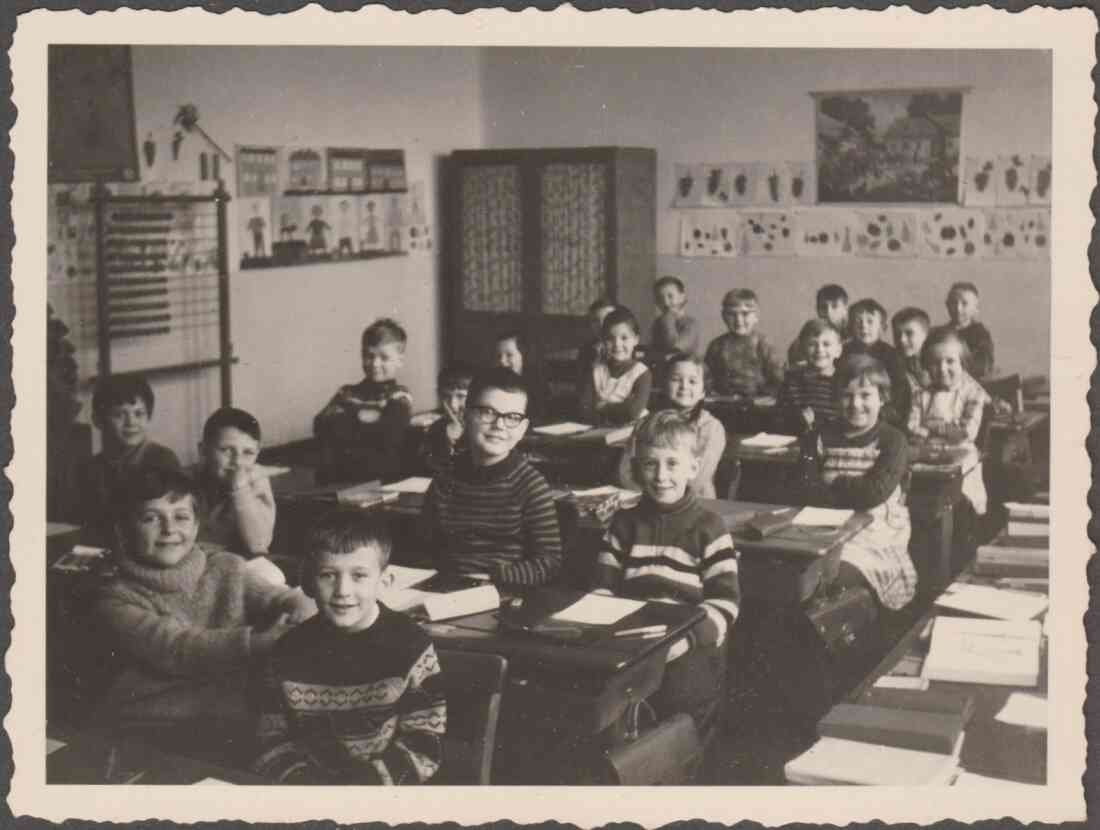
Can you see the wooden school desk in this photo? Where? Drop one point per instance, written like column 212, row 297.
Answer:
column 99, row 758
column 743, row 415
column 566, row 697
column 772, row 569
column 991, row 748
column 581, row 458
column 935, row 488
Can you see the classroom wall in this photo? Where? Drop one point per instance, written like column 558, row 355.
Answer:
column 713, row 105
column 296, row 330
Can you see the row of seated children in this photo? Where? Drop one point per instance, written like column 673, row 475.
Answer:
column 184, row 615
column 239, row 507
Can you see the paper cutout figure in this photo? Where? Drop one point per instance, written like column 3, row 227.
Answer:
column 980, row 186
column 418, row 235
column 689, row 185
column 395, row 223
column 885, row 233
column 1018, row 234
column 1039, row 180
column 801, row 183
column 344, row 213
column 772, row 184
column 768, row 233
column 370, row 223
column 952, row 233
column 824, row 232
column 1013, row 183
column 254, row 219
column 739, row 181
column 287, row 211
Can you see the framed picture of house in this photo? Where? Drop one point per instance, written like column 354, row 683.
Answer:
column 889, row 146
column 347, row 169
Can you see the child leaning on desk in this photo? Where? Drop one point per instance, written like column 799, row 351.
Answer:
column 861, row 463
column 672, row 548
column 185, row 621
column 684, row 388
column 351, row 696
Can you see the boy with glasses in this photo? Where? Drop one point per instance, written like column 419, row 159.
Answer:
column 492, row 512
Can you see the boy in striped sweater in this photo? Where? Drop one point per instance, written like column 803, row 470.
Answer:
column 492, row 513
column 672, row 548
column 351, row 696
column 806, row 396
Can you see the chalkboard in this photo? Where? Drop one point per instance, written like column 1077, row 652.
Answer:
column 91, row 114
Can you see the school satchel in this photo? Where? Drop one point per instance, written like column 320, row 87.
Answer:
column 843, row 618
column 670, row 753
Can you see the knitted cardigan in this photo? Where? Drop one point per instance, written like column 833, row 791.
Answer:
column 362, row 707
column 681, row 552
column 181, row 626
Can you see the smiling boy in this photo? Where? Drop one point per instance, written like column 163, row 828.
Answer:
column 672, row 548
column 362, row 429
column 351, row 696
column 492, row 512
column 742, row 361
column 962, row 308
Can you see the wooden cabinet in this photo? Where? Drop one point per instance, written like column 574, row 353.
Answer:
column 534, row 236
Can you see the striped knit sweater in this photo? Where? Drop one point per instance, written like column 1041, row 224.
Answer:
column 804, row 387
column 858, row 473
column 680, row 552
column 351, row 708
column 499, row 520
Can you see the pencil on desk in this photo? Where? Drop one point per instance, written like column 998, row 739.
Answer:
column 644, row 631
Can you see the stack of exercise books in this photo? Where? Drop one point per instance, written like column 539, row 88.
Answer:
column 894, row 738
column 985, row 651
column 1023, row 548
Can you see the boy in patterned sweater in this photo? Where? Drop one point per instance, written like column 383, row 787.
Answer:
column 672, row 548
column 351, row 696
column 362, row 429
column 492, row 513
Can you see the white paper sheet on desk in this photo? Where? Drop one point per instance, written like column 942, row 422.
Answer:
column 768, row 441
column 270, row 471
column 595, row 609
column 52, row 745
column 402, row 576
column 1022, row 709
column 566, row 428
column 619, row 436
column 998, row 603
column 413, row 484
column 1026, row 510
column 821, row 517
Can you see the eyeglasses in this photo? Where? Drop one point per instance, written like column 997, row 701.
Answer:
column 488, row 415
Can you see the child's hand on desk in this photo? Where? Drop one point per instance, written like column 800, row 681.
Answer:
column 264, row 639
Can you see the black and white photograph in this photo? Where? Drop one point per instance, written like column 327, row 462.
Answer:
column 676, row 424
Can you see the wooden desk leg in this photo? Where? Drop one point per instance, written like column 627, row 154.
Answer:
column 944, row 541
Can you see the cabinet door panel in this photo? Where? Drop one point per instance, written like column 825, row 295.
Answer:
column 492, row 239
column 574, row 222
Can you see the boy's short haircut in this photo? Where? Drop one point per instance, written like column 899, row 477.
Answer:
column 937, row 337
column 384, row 330
column 152, row 483
column 600, row 303
column 864, row 368
column 229, row 417
column 830, row 293
column 867, row 304
column 669, row 280
column 496, row 377
column 908, row 315
column 121, row 389
column 961, row 288
column 816, row 328
column 668, row 430
column 342, row 531
column 684, row 357
column 457, row 375
column 740, row 295
column 621, row 314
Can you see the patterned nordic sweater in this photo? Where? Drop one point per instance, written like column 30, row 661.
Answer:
column 860, row 472
column 351, row 708
column 681, row 552
column 499, row 520
column 357, row 449
column 742, row 365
